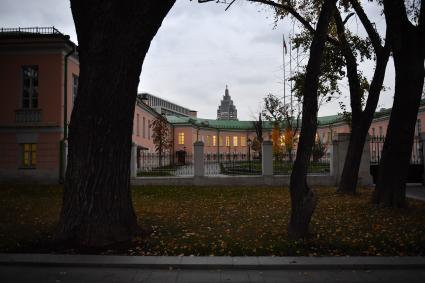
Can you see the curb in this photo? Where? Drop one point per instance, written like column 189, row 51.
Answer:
column 215, row 262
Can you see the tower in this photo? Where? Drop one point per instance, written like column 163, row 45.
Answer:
column 226, row 110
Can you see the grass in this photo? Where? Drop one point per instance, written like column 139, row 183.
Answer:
column 227, row 221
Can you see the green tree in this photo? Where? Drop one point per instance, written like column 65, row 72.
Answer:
column 161, row 136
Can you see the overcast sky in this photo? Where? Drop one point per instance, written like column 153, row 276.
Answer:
column 201, row 48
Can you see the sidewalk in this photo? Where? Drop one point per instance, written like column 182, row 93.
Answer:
column 415, row 191
column 93, row 268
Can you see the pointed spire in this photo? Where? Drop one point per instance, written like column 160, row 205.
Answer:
column 226, row 92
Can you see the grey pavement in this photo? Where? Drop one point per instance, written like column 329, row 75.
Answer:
column 415, row 191
column 21, row 274
column 93, row 268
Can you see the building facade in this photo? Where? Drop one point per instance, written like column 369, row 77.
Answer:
column 227, row 110
column 39, row 74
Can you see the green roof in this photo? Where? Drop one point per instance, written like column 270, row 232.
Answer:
column 248, row 125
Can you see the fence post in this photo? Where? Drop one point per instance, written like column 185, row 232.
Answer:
column 198, row 158
column 267, row 158
column 133, row 161
column 422, row 141
column 339, row 153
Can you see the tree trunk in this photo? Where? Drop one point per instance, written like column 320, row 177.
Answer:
column 408, row 48
column 303, row 200
column 113, row 38
column 361, row 119
column 360, row 127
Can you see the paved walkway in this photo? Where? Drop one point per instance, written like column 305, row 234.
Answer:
column 415, row 191
column 85, row 268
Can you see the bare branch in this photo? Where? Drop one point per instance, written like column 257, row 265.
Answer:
column 347, row 18
column 230, row 4
column 296, row 15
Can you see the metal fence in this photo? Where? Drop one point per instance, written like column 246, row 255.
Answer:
column 233, row 163
column 377, row 144
column 166, row 164
column 284, row 163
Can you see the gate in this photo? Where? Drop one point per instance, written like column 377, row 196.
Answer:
column 416, row 166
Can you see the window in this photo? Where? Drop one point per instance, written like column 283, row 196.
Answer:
column 329, row 136
column 418, row 126
column 30, row 87
column 74, row 87
column 220, row 140
column 227, row 141
column 243, row 141
column 208, row 142
column 144, row 127
column 137, row 125
column 29, row 156
column 373, row 132
column 214, row 140
column 181, row 138
column 235, row 141
column 380, row 131
column 149, row 129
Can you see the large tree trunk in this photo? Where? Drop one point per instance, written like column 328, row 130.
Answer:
column 113, row 38
column 303, row 201
column 408, row 48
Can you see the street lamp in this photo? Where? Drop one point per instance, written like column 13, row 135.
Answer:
column 249, row 154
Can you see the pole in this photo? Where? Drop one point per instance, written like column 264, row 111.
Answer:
column 284, row 76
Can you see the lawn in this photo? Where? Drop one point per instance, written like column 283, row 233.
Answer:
column 225, row 221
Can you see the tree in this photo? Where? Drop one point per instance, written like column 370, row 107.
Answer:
column 408, row 48
column 349, row 47
column 113, row 39
column 258, row 140
column 161, row 136
column 303, row 200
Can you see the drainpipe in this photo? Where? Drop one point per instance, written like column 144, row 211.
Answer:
column 65, row 117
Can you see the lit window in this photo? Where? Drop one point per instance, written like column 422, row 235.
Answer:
column 208, row 141
column 227, row 141
column 181, row 138
column 30, row 87
column 235, row 141
column 220, row 140
column 243, row 141
column 214, row 140
column 29, row 157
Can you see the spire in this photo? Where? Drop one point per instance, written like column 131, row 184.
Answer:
column 226, row 92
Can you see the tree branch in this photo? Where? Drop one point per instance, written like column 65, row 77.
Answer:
column 371, row 32
column 351, row 63
column 296, row 15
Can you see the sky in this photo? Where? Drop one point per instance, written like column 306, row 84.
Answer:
column 201, row 48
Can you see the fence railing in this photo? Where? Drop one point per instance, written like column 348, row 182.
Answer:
column 284, row 163
column 165, row 164
column 377, row 145
column 234, row 163
column 31, row 30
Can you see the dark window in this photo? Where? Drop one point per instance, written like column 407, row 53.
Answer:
column 74, row 87
column 30, row 87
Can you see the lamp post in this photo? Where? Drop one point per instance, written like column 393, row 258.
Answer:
column 249, row 154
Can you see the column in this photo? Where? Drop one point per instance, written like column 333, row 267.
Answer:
column 198, row 158
column 267, row 158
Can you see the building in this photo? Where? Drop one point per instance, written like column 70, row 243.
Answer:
column 165, row 107
column 39, row 74
column 226, row 110
column 38, row 80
